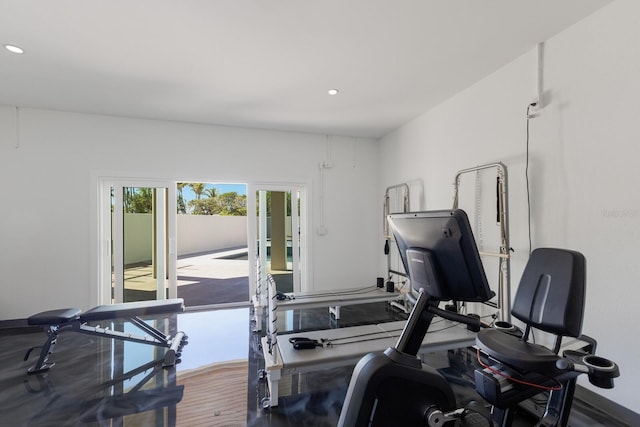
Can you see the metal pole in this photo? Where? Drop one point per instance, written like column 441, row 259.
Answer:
column 504, row 255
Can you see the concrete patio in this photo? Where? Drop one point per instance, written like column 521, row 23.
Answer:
column 217, row 277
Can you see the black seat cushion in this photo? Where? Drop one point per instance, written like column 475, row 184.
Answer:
column 54, row 317
column 512, row 351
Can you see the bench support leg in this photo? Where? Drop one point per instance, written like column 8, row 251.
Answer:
column 43, row 363
column 153, row 337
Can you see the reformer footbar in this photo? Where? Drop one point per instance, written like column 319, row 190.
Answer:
column 55, row 322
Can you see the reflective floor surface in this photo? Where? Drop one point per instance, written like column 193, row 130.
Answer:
column 319, row 395
column 100, row 381
column 104, row 382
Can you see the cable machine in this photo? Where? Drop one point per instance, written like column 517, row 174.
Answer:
column 402, row 205
column 503, row 253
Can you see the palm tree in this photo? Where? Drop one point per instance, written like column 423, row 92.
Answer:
column 211, row 192
column 198, row 188
column 180, row 186
column 181, row 205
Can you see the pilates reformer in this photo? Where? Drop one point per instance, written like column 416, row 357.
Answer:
column 439, row 252
column 339, row 347
column 333, row 299
column 345, row 346
column 58, row 321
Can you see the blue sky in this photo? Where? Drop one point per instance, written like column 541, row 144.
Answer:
column 188, row 193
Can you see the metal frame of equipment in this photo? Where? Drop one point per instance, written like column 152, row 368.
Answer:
column 504, row 250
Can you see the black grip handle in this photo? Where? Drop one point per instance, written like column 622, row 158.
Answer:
column 472, row 321
column 305, row 345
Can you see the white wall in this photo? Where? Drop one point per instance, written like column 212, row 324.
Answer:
column 583, row 165
column 200, row 233
column 138, row 237
column 196, row 233
column 50, row 162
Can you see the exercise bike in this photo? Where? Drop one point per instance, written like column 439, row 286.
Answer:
column 440, row 255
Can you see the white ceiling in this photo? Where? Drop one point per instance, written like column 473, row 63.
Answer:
column 266, row 63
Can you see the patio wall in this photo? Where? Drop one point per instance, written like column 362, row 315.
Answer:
column 196, row 233
column 201, row 233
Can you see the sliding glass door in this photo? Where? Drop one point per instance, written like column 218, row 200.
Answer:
column 280, row 237
column 141, row 230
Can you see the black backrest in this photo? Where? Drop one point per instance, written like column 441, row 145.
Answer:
column 551, row 293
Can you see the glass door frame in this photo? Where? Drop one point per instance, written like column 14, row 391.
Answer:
column 104, row 239
column 301, row 266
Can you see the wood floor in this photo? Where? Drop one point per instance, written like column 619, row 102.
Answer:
column 214, row 396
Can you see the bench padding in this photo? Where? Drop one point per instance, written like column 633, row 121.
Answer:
column 133, row 309
column 55, row 317
column 107, row 312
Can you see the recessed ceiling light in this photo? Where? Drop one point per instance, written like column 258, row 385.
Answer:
column 333, row 91
column 13, row 49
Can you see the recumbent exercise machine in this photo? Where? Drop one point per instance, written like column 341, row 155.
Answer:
column 439, row 253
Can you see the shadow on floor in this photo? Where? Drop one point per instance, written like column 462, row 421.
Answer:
column 207, row 291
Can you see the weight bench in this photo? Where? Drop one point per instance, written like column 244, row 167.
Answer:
column 74, row 320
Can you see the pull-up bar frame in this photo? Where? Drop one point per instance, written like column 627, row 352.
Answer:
column 504, row 254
